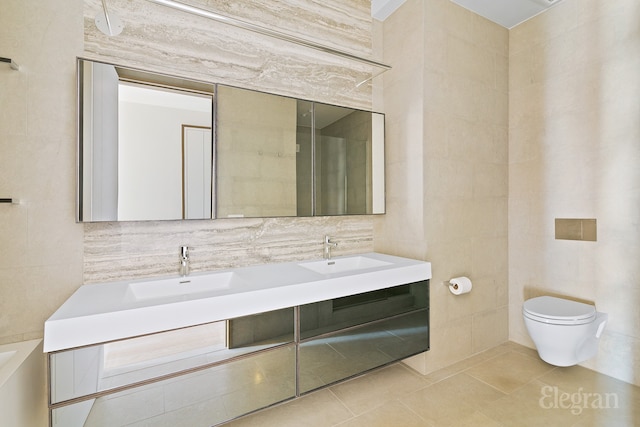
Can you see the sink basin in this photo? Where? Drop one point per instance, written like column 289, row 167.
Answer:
column 181, row 286
column 103, row 312
column 341, row 265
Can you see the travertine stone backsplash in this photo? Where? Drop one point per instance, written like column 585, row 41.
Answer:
column 158, row 38
column 125, row 250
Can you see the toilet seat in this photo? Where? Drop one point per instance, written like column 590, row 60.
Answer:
column 558, row 311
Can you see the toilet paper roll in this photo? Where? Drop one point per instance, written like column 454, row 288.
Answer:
column 460, row 285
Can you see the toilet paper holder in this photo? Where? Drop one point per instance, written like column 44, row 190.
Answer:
column 459, row 285
column 448, row 283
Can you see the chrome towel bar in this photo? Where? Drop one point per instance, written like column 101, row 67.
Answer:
column 11, row 63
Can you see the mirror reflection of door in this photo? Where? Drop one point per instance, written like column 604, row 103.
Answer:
column 131, row 143
column 196, row 172
column 150, row 135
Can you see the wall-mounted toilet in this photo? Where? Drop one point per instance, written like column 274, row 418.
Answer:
column 565, row 332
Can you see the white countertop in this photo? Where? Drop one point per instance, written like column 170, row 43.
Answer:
column 103, row 312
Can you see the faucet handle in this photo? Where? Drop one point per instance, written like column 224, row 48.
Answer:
column 328, row 244
column 184, row 260
column 327, row 241
column 184, row 251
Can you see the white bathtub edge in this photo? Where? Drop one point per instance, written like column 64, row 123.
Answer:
column 23, row 349
column 23, row 397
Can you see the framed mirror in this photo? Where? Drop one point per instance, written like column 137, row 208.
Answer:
column 157, row 147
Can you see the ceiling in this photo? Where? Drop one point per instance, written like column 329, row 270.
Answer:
column 507, row 13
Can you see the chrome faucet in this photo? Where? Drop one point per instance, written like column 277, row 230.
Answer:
column 184, row 261
column 328, row 244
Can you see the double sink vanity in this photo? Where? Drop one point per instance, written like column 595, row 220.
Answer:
column 209, row 347
column 205, row 348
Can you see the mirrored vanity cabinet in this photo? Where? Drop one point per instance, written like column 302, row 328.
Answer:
column 211, row 373
column 158, row 147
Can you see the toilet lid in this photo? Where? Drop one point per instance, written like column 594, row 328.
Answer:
column 558, row 310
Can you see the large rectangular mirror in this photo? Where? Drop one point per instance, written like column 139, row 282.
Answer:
column 146, row 151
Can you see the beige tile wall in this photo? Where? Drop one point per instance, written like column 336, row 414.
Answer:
column 446, row 105
column 40, row 243
column 574, row 152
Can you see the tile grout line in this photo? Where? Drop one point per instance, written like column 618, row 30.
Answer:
column 412, row 411
column 473, row 365
column 344, row 405
column 535, row 378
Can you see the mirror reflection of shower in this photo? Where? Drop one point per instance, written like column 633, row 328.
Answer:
column 339, row 153
column 332, row 176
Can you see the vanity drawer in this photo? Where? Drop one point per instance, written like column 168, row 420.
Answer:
column 201, row 398
column 120, row 364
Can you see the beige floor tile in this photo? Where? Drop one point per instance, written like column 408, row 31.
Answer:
column 477, row 419
column 392, row 414
column 369, row 391
column 509, row 371
column 319, row 409
column 531, row 352
column 452, row 399
column 529, row 407
column 618, row 417
column 465, row 364
column 573, row 378
column 599, row 399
